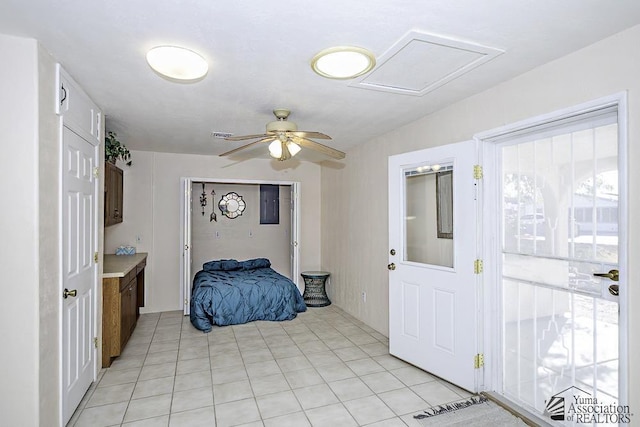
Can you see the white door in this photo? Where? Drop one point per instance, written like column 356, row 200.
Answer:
column 294, row 249
column 562, row 197
column 433, row 290
column 79, row 159
column 185, row 265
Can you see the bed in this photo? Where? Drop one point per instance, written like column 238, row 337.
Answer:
column 230, row 292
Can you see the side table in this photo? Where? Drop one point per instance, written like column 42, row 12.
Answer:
column 315, row 294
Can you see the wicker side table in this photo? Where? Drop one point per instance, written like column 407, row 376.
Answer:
column 315, row 294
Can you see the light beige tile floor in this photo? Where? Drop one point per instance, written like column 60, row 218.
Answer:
column 324, row 368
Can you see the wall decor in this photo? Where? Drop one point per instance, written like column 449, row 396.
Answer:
column 444, row 204
column 203, row 199
column 231, row 205
column 213, row 216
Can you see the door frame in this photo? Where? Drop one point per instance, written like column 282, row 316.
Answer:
column 186, row 215
column 491, row 244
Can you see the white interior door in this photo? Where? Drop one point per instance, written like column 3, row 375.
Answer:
column 433, row 290
column 79, row 219
column 185, row 265
column 562, row 197
column 295, row 221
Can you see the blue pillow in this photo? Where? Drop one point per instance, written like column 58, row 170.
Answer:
column 252, row 264
column 222, row 265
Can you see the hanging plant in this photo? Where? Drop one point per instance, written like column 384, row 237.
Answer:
column 114, row 149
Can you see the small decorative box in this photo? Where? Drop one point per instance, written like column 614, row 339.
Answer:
column 126, row 250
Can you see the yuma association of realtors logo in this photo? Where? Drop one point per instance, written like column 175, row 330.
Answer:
column 576, row 405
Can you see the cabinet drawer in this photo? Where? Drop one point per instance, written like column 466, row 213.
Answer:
column 141, row 265
column 126, row 280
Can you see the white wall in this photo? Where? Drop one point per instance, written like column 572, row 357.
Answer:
column 242, row 237
column 152, row 210
column 355, row 242
column 29, row 364
column 49, row 240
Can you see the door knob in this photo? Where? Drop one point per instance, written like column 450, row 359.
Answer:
column 392, row 251
column 68, row 293
column 391, row 266
column 612, row 275
column 614, row 290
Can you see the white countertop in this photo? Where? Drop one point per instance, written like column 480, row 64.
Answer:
column 120, row 265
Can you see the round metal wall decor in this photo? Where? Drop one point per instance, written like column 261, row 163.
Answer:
column 231, row 205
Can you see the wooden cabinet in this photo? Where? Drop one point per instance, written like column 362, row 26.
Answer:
column 122, row 298
column 113, row 186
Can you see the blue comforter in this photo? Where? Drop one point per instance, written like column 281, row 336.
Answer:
column 240, row 296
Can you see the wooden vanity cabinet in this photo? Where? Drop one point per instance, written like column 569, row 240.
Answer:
column 122, row 298
column 113, row 187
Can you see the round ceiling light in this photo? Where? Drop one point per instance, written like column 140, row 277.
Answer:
column 343, row 62
column 177, row 63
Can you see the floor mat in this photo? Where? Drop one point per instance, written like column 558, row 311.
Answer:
column 477, row 411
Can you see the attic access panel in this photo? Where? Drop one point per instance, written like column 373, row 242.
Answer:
column 420, row 63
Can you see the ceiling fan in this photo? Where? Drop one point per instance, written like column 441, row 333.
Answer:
column 285, row 139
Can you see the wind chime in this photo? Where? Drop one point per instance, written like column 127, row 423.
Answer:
column 203, row 203
column 203, row 199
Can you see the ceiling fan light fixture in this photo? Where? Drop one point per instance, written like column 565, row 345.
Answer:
column 177, row 63
column 275, row 149
column 283, row 150
column 293, row 148
column 343, row 62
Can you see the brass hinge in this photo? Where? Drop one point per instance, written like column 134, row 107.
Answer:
column 95, row 342
column 96, row 172
column 477, row 172
column 95, row 257
column 478, row 266
column 186, row 301
column 478, row 361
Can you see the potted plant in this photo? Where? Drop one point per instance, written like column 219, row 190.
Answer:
column 114, row 149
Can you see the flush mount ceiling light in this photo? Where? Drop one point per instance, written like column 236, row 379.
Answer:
column 343, row 62
column 177, row 63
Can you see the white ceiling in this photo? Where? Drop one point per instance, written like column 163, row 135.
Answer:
column 259, row 52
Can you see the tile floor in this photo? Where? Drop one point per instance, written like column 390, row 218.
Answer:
column 324, row 368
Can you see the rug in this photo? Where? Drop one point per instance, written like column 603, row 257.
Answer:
column 477, row 411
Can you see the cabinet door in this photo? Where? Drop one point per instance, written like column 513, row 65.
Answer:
column 132, row 308
column 80, row 113
column 113, row 187
column 128, row 305
column 124, row 319
column 117, row 194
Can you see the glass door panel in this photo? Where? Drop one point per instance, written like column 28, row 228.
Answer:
column 428, row 221
column 560, row 226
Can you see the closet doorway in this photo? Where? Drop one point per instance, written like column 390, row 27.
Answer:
column 238, row 219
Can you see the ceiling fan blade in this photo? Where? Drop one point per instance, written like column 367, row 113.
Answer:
column 268, row 139
column 307, row 143
column 305, row 134
column 244, row 137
